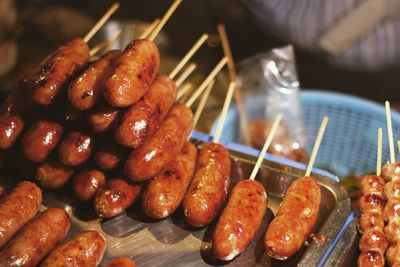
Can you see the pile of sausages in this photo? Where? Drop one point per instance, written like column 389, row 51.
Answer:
column 379, row 221
column 29, row 237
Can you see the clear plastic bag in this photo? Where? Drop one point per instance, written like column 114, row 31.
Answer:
column 270, row 86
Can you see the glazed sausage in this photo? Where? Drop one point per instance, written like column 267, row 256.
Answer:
column 108, row 157
column 240, row 220
column 36, row 239
column 84, row 249
column 295, row 219
column 121, row 262
column 87, row 183
column 75, row 148
column 391, row 171
column 11, row 126
column 209, row 187
column 41, row 138
column 115, row 197
column 163, row 147
column 142, row 119
column 165, row 192
column 87, row 89
column 56, row 71
column 102, row 118
column 17, row 208
column 133, row 74
column 53, row 174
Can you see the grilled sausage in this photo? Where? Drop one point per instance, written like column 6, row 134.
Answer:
column 209, row 187
column 115, row 197
column 36, row 239
column 121, row 262
column 17, row 208
column 87, row 89
column 295, row 219
column 102, row 118
column 240, row 220
column 162, row 148
column 41, row 138
column 75, row 148
column 133, row 74
column 391, row 171
column 84, row 249
column 57, row 70
column 53, row 174
column 165, row 192
column 11, row 126
column 142, row 119
column 87, row 183
column 108, row 157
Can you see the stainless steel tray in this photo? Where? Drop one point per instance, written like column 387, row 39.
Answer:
column 170, row 242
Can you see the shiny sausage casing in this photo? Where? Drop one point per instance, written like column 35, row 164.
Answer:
column 17, row 208
column 102, row 118
column 391, row 171
column 115, row 197
column 165, row 192
column 121, row 262
column 87, row 183
column 11, row 126
column 53, row 174
column 36, row 239
column 295, row 219
column 56, row 71
column 142, row 119
column 207, row 192
column 133, row 74
column 87, row 89
column 162, row 148
column 240, row 220
column 75, row 148
column 84, row 249
column 41, row 138
column 108, row 157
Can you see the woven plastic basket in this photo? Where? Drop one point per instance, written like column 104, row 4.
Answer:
column 349, row 144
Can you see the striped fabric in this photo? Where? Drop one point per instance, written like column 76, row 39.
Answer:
column 303, row 22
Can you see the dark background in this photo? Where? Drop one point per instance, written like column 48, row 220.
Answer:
column 42, row 25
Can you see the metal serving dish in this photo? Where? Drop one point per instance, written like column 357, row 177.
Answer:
column 170, row 242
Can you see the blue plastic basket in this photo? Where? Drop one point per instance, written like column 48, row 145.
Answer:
column 349, row 144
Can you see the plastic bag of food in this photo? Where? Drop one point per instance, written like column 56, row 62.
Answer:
column 270, row 86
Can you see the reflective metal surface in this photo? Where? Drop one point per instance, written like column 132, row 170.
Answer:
column 170, row 242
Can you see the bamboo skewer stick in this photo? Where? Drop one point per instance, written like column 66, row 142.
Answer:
column 164, row 19
column 149, row 29
column 390, row 132
column 202, row 103
column 224, row 112
column 267, row 143
column 185, row 74
column 101, row 22
column 206, row 81
column 379, row 153
column 105, row 44
column 233, row 77
column 185, row 89
column 316, row 146
column 188, row 55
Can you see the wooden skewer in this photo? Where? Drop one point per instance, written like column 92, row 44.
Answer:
column 379, row 153
column 233, row 77
column 224, row 112
column 206, row 81
column 202, row 103
column 316, row 146
column 267, row 143
column 390, row 131
column 105, row 44
column 149, row 29
column 188, row 56
column 186, row 74
column 186, row 88
column 101, row 22
column 164, row 19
